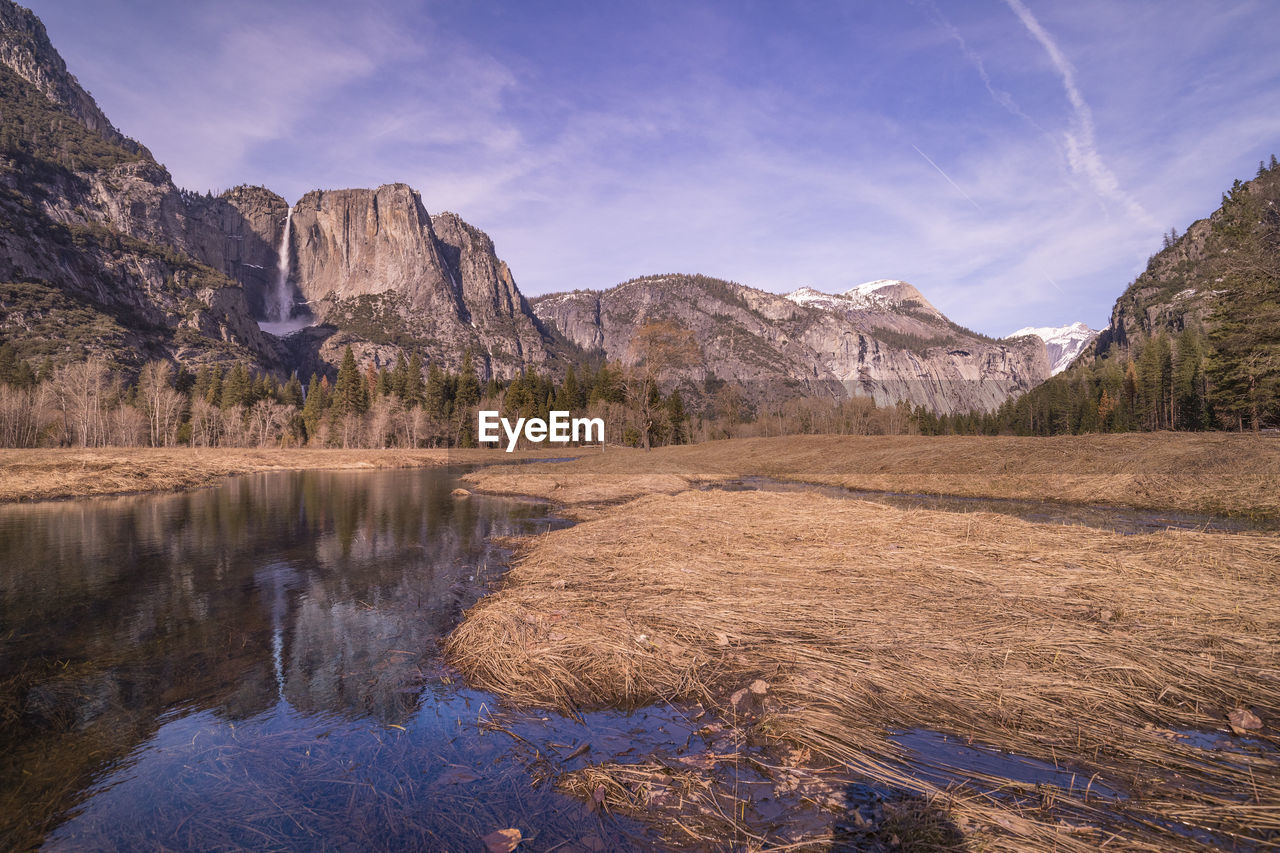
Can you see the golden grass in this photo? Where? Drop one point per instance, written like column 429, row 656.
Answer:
column 27, row 475
column 1074, row 646
column 1220, row 473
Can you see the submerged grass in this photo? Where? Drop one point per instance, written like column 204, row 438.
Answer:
column 1217, row 473
column 1081, row 648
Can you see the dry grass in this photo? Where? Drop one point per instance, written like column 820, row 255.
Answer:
column 1221, row 473
column 27, row 475
column 1078, row 647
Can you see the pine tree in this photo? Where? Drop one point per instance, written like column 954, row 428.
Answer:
column 435, row 395
column 468, row 385
column 314, row 408
column 214, row 395
column 204, row 378
column 1188, row 382
column 678, row 418
column 350, row 394
column 400, row 377
column 465, row 400
column 1243, row 367
column 291, row 395
column 573, row 397
column 414, row 389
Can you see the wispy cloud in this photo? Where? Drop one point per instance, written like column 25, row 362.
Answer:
column 1082, row 144
column 777, row 148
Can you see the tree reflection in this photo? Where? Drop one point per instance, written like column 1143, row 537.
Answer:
column 309, row 592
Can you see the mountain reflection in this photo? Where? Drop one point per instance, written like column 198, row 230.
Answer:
column 315, row 592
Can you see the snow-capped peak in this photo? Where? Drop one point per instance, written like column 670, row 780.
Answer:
column 809, row 296
column 870, row 287
column 1064, row 343
column 881, row 294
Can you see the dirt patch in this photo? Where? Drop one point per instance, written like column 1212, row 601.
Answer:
column 1081, row 649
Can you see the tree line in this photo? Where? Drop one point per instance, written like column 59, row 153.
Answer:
column 1225, row 375
column 408, row 404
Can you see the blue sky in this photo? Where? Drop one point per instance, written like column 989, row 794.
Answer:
column 1017, row 160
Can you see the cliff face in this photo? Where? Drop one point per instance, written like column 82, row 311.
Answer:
column 26, row 50
column 101, row 253
column 1064, row 343
column 88, row 263
column 98, row 245
column 882, row 340
column 1172, row 294
column 377, row 267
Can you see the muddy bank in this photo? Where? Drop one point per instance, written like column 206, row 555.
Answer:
column 1027, row 685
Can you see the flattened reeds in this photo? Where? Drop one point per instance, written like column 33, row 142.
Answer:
column 1083, row 649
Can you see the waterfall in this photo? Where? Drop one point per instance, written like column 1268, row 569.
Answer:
column 284, row 294
column 279, row 304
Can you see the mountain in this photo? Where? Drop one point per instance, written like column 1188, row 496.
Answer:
column 101, row 254
column 73, row 283
column 882, row 339
column 1193, row 341
column 1064, row 343
column 376, row 266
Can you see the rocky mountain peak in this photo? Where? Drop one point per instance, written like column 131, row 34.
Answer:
column 884, row 341
column 25, row 48
column 881, row 295
column 1063, row 343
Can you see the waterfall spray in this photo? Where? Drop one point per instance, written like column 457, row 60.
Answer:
column 284, row 294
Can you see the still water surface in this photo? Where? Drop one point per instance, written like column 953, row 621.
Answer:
column 256, row 666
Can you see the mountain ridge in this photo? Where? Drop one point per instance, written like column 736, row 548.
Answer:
column 190, row 277
column 897, row 349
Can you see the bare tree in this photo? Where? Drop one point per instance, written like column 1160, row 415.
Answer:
column 25, row 415
column 80, row 390
column 162, row 404
column 127, row 427
column 206, row 423
column 657, row 349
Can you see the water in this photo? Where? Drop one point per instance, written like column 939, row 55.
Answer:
column 1119, row 519
column 256, row 666
column 282, row 322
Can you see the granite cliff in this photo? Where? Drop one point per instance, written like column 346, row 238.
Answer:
column 102, row 254
column 882, row 340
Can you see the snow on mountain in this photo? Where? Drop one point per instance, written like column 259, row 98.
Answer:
column 879, row 295
column 1064, row 343
column 809, row 296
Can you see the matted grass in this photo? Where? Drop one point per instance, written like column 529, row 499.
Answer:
column 29, row 475
column 1089, row 650
column 1218, row 473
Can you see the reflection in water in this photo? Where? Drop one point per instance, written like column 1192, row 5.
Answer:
column 254, row 665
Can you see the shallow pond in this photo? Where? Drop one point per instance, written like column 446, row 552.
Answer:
column 256, row 666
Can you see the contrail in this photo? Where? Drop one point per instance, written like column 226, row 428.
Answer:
column 1000, row 96
column 1054, row 283
column 1082, row 147
column 948, row 177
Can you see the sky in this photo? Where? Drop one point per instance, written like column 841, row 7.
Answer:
column 1016, row 160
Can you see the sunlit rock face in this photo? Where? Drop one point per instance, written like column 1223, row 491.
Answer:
column 375, row 265
column 882, row 339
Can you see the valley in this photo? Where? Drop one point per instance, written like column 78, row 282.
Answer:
column 301, row 548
